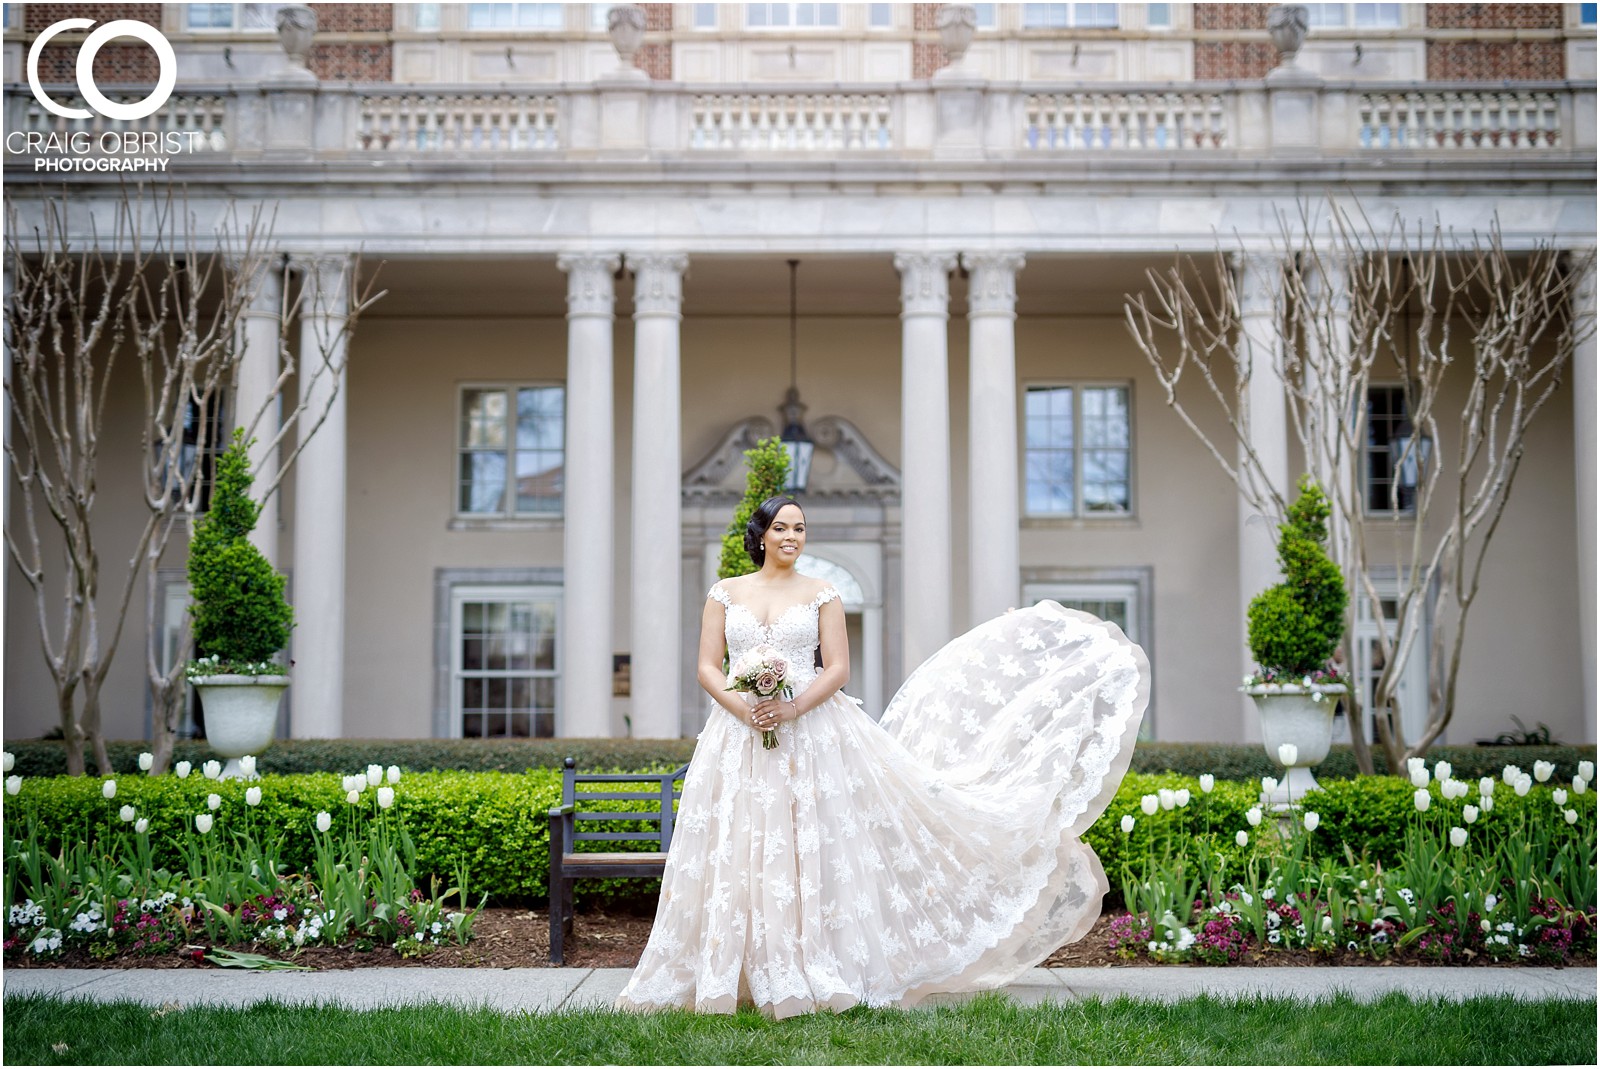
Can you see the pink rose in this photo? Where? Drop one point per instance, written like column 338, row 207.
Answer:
column 779, row 666
column 766, row 683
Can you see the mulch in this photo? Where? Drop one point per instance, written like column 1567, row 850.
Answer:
column 613, row 938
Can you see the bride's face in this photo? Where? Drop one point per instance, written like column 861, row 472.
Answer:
column 785, row 540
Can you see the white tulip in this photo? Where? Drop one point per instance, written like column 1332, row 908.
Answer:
column 1585, row 769
column 1127, row 824
column 108, row 789
column 1510, row 774
column 1419, row 777
column 1488, row 804
column 1442, row 770
column 141, row 825
column 1268, row 784
column 1579, row 784
column 1167, row 798
column 127, row 814
column 1327, row 924
column 1486, row 786
column 1572, row 816
column 324, row 820
column 354, row 797
column 1241, row 837
column 1470, row 814
column 1252, row 816
column 385, row 797
column 1543, row 770
column 212, row 769
column 1312, row 820
column 1414, row 763
column 1207, row 782
column 392, row 775
column 374, row 775
column 247, row 766
column 1558, row 796
column 202, row 823
column 1422, row 800
column 146, row 762
column 1181, row 796
column 13, row 784
column 9, row 760
column 213, row 802
column 1287, row 753
column 1458, row 837
column 1523, row 786
column 1149, row 803
column 252, row 796
column 182, row 769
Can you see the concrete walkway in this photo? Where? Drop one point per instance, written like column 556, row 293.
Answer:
column 552, row 989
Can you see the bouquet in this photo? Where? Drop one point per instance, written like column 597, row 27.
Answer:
column 761, row 670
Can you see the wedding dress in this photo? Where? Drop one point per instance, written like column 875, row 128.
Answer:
column 877, row 863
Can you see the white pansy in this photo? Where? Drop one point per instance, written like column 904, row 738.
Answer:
column 1585, row 769
column 374, row 775
column 1252, row 816
column 1558, row 796
column 1287, row 753
column 108, row 789
column 1149, row 803
column 385, row 797
column 392, row 775
column 13, row 784
column 127, row 814
column 1207, row 782
column 202, row 823
column 1572, row 816
column 247, row 766
column 1458, row 837
column 146, row 762
column 354, row 797
column 1523, row 785
column 141, row 825
column 1470, row 814
column 8, row 760
column 1127, row 824
column 252, row 796
column 1510, row 774
column 1181, row 796
column 1543, row 770
column 212, row 769
column 1422, row 800
column 1442, row 770
column 1486, row 786
column 1311, row 821
column 182, row 769
column 1241, row 837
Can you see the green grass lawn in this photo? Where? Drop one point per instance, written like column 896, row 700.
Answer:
column 989, row 1029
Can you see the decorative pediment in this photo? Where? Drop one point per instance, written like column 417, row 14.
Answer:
column 845, row 464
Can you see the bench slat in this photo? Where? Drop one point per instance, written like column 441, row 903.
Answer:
column 615, row 836
column 631, row 796
column 641, row 858
column 637, row 814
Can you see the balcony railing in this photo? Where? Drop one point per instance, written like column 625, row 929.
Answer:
column 997, row 121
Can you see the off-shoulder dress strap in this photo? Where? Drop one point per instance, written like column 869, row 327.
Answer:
column 717, row 593
column 827, row 594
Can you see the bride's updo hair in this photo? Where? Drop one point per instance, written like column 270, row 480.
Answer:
column 760, row 520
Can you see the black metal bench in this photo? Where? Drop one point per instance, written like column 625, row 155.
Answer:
column 567, row 866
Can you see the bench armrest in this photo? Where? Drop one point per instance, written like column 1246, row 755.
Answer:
column 562, row 810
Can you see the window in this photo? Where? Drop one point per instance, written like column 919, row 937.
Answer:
column 1412, row 691
column 515, row 16
column 1079, row 450
column 599, row 17
column 784, row 16
column 1394, row 457
column 1585, row 14
column 986, row 16
column 880, row 16
column 248, row 17
column 503, row 664
column 426, row 17
column 511, row 451
column 1063, row 16
column 202, row 438
column 174, row 588
column 1360, row 16
column 1121, row 597
column 1158, row 16
column 705, row 16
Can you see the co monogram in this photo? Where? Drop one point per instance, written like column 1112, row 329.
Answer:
column 91, row 48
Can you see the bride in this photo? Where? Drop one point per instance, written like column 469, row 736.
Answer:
column 859, row 862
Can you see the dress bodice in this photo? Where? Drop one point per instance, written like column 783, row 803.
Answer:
column 794, row 633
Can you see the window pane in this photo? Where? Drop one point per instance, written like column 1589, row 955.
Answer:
column 827, row 14
column 1158, row 16
column 778, row 14
column 755, row 14
column 539, row 422
column 1036, row 16
column 209, row 16
column 1050, row 489
column 483, row 482
column 483, row 419
column 985, row 16
column 1586, row 14
column 539, row 16
column 880, row 16
column 427, row 17
column 539, row 481
column 1378, row 15
column 1095, row 15
column 1325, row 14
column 705, row 16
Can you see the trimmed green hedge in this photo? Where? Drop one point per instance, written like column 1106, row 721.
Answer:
column 496, row 821
column 35, row 757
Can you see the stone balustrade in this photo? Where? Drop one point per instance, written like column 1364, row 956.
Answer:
column 955, row 119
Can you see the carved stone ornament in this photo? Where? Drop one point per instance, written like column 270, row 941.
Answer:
column 957, row 24
column 924, row 282
column 625, row 24
column 297, row 25
column 591, row 290
column 1287, row 25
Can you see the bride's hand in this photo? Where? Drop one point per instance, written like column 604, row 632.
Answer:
column 770, row 712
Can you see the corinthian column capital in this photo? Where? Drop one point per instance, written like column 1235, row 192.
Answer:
column 924, row 282
column 992, row 290
column 591, row 286
column 658, row 283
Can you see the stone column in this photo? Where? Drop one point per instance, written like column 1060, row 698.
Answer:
column 994, row 524
column 1583, row 441
column 1259, row 281
column 319, row 502
column 925, row 452
column 260, row 331
column 586, row 535
column 657, row 495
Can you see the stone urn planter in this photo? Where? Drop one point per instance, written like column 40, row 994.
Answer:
column 1301, row 716
column 241, row 714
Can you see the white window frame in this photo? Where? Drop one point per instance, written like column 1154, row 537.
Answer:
column 1072, row 16
column 516, row 26
column 1131, row 586
column 462, row 593
column 1413, row 689
column 1078, row 386
column 509, row 511
column 1349, row 15
column 793, row 25
column 236, row 22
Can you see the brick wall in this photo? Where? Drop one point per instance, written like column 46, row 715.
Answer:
column 1494, row 16
column 926, row 56
column 36, row 17
column 657, row 17
column 655, row 59
column 1222, row 61
column 1493, row 61
column 346, row 61
column 118, row 62
column 354, row 18
column 923, row 16
column 1230, row 16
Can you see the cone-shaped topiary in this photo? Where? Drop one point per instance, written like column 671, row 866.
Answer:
column 240, row 615
column 769, row 468
column 1296, row 625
